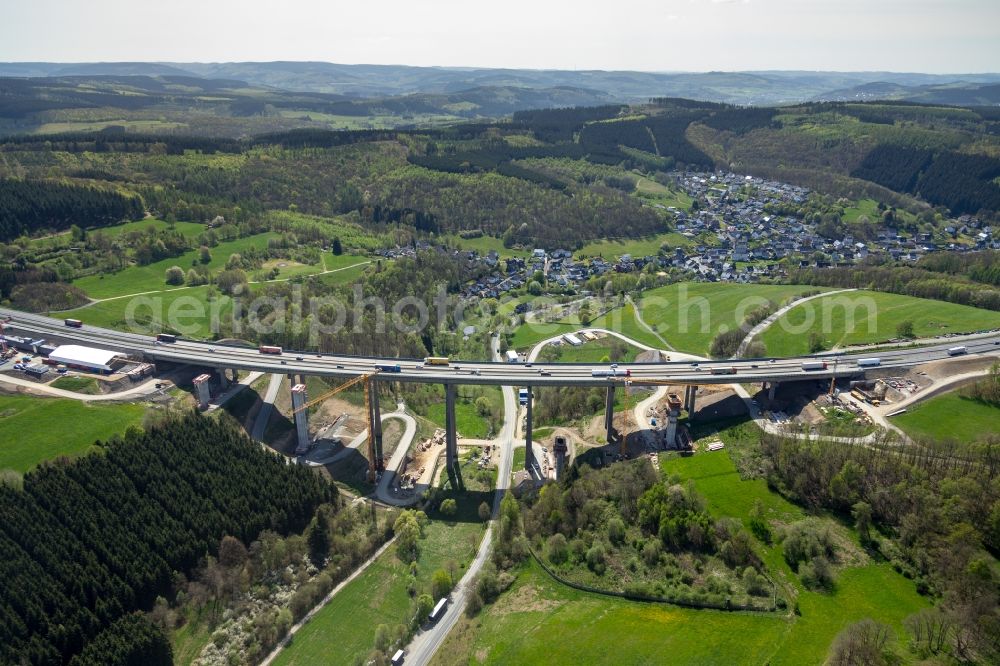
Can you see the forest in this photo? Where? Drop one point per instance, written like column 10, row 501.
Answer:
column 30, row 207
column 624, row 530
column 932, row 509
column 85, row 543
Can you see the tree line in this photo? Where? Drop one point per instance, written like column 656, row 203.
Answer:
column 86, row 542
column 906, row 280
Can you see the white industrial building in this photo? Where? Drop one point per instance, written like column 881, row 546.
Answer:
column 89, row 359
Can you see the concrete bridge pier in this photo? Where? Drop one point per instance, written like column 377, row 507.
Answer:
column 301, row 419
column 609, row 414
column 223, row 378
column 771, row 387
column 451, row 438
column 690, row 398
column 203, row 390
column 529, row 452
column 376, row 433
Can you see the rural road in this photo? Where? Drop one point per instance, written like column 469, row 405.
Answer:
column 423, row 646
column 776, row 315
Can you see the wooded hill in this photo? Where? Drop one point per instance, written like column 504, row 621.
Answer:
column 86, row 542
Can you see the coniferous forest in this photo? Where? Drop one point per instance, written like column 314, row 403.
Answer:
column 86, row 543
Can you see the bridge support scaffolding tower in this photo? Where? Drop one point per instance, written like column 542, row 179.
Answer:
column 451, row 438
column 529, row 451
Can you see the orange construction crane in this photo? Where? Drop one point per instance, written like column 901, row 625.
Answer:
column 366, row 378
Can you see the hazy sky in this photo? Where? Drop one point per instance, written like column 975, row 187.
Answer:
column 694, row 35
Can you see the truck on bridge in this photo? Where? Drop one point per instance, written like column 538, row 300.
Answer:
column 814, row 365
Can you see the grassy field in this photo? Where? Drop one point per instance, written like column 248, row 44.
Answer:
column 137, row 279
column 468, row 420
column 620, row 319
column 594, row 351
column 191, row 305
column 866, row 317
column 638, row 247
column 950, row 416
column 34, row 429
column 344, row 630
column 483, row 245
column 690, row 314
column 86, row 385
column 520, row 627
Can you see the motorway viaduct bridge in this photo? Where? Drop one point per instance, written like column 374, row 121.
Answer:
column 225, row 357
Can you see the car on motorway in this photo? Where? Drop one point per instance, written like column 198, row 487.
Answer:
column 211, row 349
column 694, row 365
column 754, row 366
column 545, row 373
column 284, row 362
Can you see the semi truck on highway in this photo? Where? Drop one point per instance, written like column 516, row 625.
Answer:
column 388, row 367
column 269, row 349
column 613, row 372
column 436, row 360
column 166, row 337
column 439, row 609
column 869, row 362
column 957, row 351
column 723, row 371
column 814, row 365
column 75, row 323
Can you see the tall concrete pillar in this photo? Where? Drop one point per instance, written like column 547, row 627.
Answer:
column 202, row 390
column 376, row 426
column 223, row 378
column 609, row 414
column 673, row 411
column 771, row 388
column 301, row 419
column 691, row 404
column 451, row 437
column 529, row 451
